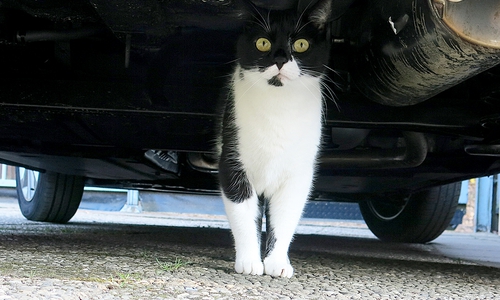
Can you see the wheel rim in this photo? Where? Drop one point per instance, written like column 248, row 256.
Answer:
column 29, row 182
column 386, row 211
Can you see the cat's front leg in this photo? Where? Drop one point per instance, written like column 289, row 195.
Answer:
column 276, row 261
column 244, row 220
column 244, row 212
column 283, row 214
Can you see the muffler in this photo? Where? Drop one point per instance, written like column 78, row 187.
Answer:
column 476, row 21
column 410, row 50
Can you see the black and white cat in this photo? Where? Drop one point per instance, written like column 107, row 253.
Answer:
column 271, row 131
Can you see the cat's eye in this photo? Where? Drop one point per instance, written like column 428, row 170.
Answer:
column 300, row 45
column 263, row 45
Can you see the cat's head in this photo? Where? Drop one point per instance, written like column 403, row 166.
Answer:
column 283, row 45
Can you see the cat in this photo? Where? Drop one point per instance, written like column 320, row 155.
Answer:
column 271, row 131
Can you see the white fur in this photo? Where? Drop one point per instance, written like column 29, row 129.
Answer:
column 241, row 217
column 279, row 130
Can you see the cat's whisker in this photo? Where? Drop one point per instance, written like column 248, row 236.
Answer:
column 262, row 21
column 250, row 87
column 232, row 61
column 307, row 88
column 237, row 80
column 325, row 77
column 327, row 91
column 225, row 76
column 302, row 27
column 330, row 94
column 323, row 115
column 301, row 16
column 328, row 79
column 269, row 20
column 332, row 70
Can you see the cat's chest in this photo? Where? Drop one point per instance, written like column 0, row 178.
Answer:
column 278, row 125
column 265, row 110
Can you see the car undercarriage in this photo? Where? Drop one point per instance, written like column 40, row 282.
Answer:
column 89, row 87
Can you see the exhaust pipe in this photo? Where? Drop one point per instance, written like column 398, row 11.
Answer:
column 412, row 155
column 410, row 50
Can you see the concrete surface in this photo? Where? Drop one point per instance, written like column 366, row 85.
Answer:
column 116, row 255
column 481, row 248
column 113, row 255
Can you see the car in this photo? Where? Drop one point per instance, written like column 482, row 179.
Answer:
column 124, row 93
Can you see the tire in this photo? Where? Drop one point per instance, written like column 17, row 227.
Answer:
column 420, row 219
column 49, row 196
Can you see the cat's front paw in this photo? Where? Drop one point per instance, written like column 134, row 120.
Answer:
column 249, row 267
column 278, row 267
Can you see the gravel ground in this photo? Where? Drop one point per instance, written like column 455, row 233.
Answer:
column 87, row 260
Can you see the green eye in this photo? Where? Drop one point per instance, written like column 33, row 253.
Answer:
column 263, row 44
column 300, row 45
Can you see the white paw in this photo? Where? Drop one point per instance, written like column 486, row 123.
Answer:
column 280, row 267
column 249, row 267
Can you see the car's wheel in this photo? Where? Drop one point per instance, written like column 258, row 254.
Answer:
column 421, row 218
column 49, row 196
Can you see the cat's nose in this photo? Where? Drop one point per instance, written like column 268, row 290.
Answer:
column 280, row 58
column 280, row 61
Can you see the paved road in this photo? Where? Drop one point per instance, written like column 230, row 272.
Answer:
column 111, row 255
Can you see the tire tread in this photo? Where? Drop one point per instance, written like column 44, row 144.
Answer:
column 425, row 217
column 56, row 198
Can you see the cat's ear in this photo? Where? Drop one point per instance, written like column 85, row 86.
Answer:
column 319, row 12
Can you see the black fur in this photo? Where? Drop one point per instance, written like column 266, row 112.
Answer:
column 258, row 221
column 270, row 237
column 232, row 178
